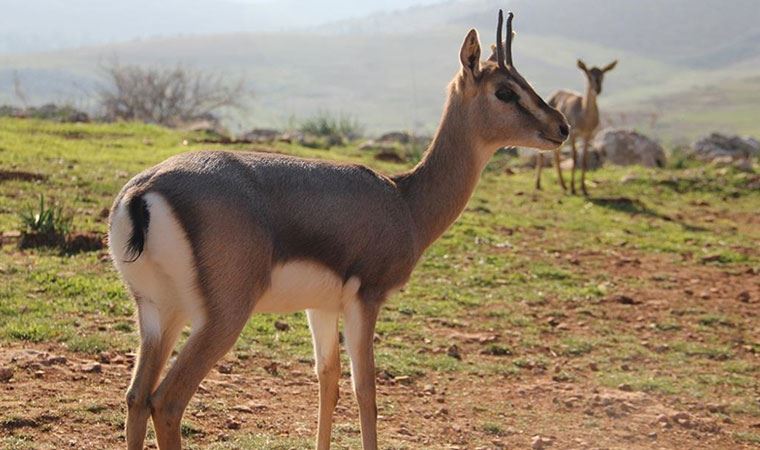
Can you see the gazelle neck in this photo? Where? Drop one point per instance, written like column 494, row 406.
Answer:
column 438, row 188
column 589, row 104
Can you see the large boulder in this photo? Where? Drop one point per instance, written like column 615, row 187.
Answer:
column 627, row 147
column 722, row 146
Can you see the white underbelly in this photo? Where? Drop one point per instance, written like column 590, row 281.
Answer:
column 300, row 285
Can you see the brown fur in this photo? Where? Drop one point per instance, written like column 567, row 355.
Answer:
column 582, row 113
column 243, row 213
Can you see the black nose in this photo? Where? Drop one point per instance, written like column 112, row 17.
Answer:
column 564, row 131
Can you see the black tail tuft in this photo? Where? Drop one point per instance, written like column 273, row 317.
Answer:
column 140, row 217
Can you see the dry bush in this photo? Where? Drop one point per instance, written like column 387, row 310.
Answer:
column 166, row 96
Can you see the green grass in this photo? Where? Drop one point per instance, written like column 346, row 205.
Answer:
column 502, row 268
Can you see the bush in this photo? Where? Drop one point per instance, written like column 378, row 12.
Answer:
column 166, row 96
column 334, row 128
column 44, row 225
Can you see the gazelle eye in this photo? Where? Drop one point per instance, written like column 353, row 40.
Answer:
column 506, row 95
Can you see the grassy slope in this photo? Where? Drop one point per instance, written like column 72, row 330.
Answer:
column 500, row 267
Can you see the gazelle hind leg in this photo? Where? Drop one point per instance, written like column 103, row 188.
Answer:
column 539, row 167
column 205, row 346
column 158, row 334
column 360, row 320
column 324, row 332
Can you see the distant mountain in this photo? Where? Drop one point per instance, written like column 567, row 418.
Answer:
column 389, row 69
column 43, row 25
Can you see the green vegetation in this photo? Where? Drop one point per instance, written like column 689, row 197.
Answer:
column 537, row 270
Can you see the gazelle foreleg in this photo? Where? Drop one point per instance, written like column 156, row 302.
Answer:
column 360, row 331
column 539, row 167
column 575, row 163
column 583, row 166
column 324, row 333
column 559, row 169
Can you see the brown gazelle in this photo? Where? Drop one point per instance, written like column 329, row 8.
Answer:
column 582, row 113
column 208, row 238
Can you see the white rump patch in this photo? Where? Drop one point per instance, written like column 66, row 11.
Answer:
column 164, row 276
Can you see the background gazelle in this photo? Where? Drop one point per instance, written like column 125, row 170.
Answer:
column 211, row 237
column 582, row 112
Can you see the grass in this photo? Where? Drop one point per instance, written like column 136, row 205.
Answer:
column 502, row 268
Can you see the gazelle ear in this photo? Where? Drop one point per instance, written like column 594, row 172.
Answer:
column 470, row 54
column 609, row 66
column 582, row 66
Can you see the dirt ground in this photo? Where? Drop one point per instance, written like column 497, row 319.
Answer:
column 58, row 399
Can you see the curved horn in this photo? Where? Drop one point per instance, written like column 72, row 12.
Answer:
column 499, row 45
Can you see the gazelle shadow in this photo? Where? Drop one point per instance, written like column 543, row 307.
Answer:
column 634, row 206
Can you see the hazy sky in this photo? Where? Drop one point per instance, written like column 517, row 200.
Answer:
column 39, row 25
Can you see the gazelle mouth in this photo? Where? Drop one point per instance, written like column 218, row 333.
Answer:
column 550, row 139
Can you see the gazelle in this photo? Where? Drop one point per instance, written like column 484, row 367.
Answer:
column 582, row 112
column 211, row 237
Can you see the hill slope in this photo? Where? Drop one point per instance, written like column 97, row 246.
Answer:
column 390, row 69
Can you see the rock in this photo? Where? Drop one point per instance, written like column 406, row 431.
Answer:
column 400, row 137
column 83, row 242
column 260, row 135
column 454, row 352
column 718, row 145
column 624, row 300
column 625, row 387
column 225, row 368
column 232, row 424
column 539, row 442
column 53, row 360
column 389, row 155
column 743, row 297
column 272, row 368
column 627, row 147
column 6, row 374
column 281, row 326
column 92, row 368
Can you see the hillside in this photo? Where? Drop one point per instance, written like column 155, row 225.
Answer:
column 390, row 69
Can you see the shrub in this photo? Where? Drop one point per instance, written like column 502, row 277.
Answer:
column 44, row 225
column 166, row 96
column 334, row 128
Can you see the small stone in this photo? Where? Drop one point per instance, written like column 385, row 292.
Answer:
column 5, row 374
column 92, row 368
column 429, row 389
column 454, row 352
column 104, row 357
column 593, row 366
column 54, row 360
column 39, row 373
column 624, row 300
column 625, row 387
column 539, row 442
column 225, row 368
column 281, row 326
column 743, row 297
column 272, row 368
column 243, row 409
column 232, row 424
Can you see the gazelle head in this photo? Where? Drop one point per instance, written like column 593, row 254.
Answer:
column 500, row 104
column 595, row 75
